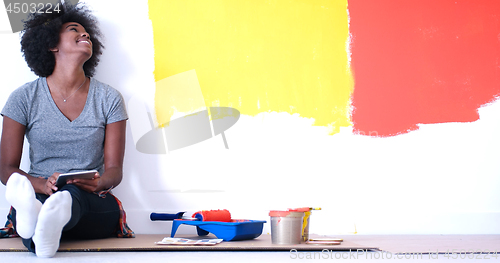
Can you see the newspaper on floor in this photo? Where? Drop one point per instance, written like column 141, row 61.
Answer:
column 186, row 242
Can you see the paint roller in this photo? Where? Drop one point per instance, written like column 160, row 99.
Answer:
column 203, row 215
column 213, row 215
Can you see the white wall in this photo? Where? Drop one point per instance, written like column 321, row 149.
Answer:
column 441, row 179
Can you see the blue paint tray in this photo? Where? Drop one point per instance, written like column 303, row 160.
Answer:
column 237, row 229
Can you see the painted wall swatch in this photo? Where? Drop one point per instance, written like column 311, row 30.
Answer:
column 182, row 119
column 422, row 61
column 259, row 55
column 180, row 94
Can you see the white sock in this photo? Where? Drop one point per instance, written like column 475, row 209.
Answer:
column 21, row 195
column 55, row 214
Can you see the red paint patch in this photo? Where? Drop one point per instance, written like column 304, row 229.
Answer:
column 422, row 61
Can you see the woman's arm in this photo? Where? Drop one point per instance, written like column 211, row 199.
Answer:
column 11, row 148
column 114, row 150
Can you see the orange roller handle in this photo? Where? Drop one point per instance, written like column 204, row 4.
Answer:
column 213, row 215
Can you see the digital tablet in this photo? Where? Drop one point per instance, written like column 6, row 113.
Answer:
column 63, row 178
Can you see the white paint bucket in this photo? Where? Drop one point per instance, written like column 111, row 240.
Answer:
column 286, row 227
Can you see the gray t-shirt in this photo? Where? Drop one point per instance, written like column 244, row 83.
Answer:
column 57, row 144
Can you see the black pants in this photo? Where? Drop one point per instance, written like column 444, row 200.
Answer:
column 92, row 217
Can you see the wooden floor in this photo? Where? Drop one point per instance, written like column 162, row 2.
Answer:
column 429, row 243
column 147, row 243
column 426, row 244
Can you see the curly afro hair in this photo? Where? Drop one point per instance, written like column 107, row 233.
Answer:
column 41, row 33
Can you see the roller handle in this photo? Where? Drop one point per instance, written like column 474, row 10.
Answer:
column 165, row 217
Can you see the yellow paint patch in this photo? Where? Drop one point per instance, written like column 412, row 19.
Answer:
column 178, row 94
column 260, row 55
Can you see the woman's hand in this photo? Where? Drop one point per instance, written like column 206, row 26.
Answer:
column 88, row 185
column 50, row 185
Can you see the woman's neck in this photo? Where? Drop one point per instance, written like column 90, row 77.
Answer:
column 67, row 78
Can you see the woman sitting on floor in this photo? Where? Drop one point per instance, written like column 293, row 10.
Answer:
column 73, row 123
